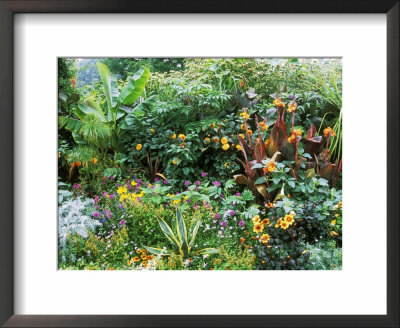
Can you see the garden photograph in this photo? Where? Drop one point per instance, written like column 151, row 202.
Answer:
column 199, row 163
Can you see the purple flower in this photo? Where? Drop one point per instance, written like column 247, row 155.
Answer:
column 223, row 223
column 207, row 204
column 217, row 216
column 222, row 195
column 203, row 174
column 105, row 194
column 216, row 183
column 128, row 186
column 197, row 188
column 111, row 196
column 156, row 179
column 197, row 183
column 120, row 205
column 109, row 214
column 112, row 177
column 96, row 199
column 241, row 223
column 152, row 187
column 232, row 213
column 292, row 97
column 195, row 206
column 187, row 183
column 96, row 214
column 138, row 181
column 238, row 194
column 122, row 222
column 165, row 181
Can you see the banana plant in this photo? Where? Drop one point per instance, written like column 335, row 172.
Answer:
column 119, row 111
column 180, row 241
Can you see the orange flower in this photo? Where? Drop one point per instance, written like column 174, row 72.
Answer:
column 266, row 143
column 249, row 132
column 78, row 164
column 328, row 132
column 242, row 239
column 265, row 221
column 278, row 103
column 292, row 107
column 291, row 138
column 212, row 125
column 207, row 140
column 182, row 136
column 144, row 264
column 241, row 135
column 289, row 219
column 270, row 205
column 216, row 139
column 241, row 83
column 94, row 160
column 73, row 82
column 139, row 147
column 271, row 166
column 298, row 132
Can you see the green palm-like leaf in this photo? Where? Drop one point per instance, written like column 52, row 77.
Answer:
column 135, row 87
column 89, row 111
column 168, row 233
column 95, row 131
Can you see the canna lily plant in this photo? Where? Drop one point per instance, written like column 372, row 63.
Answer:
column 180, row 241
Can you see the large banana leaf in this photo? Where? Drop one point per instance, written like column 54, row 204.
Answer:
column 138, row 111
column 135, row 87
column 69, row 123
column 86, row 110
column 109, row 85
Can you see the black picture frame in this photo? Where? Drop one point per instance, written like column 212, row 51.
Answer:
column 10, row 7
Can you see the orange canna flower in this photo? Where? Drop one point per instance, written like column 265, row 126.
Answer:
column 292, row 107
column 328, row 132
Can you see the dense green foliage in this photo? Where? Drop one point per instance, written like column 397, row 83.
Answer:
column 249, row 150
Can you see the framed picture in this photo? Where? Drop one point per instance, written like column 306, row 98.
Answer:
column 196, row 153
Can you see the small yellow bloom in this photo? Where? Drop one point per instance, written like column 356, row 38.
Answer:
column 278, row 223
column 256, row 219
column 241, row 135
column 270, row 205
column 258, row 227
column 249, row 132
column 94, row 160
column 212, row 125
column 224, row 140
column 242, row 126
column 139, row 147
column 284, row 225
column 175, row 161
column 225, row 147
column 207, row 139
column 333, row 222
column 270, row 167
column 182, row 136
column 122, row 190
column 152, row 130
column 336, row 215
column 289, row 219
column 298, row 132
column 173, row 136
column 333, row 233
column 265, row 238
column 238, row 147
column 266, row 143
column 133, row 183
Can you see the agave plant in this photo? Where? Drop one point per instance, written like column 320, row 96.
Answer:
column 118, row 113
column 180, row 241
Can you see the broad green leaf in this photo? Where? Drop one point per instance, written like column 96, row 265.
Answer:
column 89, row 110
column 139, row 111
column 108, row 85
column 260, row 180
column 135, row 87
column 70, row 124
